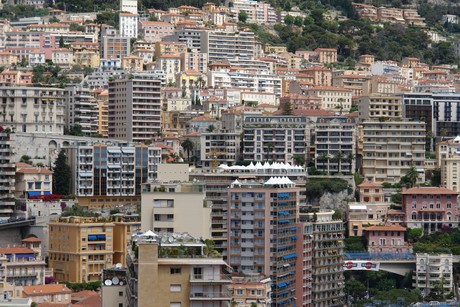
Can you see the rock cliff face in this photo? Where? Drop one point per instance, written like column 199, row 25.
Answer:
column 335, row 201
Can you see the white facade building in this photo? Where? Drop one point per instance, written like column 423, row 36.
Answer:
column 129, row 25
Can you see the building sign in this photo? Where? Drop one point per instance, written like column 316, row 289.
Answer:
column 361, row 265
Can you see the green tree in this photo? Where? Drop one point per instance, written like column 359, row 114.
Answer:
column 188, row 146
column 210, row 128
column 75, row 130
column 26, row 159
column 414, row 234
column 61, row 42
column 288, row 19
column 62, row 175
column 436, row 178
column 411, row 177
column 242, row 16
column 299, row 159
column 339, row 157
column 355, row 288
column 287, row 108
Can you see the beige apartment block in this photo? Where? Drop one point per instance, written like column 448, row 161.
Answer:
column 80, row 248
column 162, row 277
column 378, row 106
column 176, row 207
column 390, row 148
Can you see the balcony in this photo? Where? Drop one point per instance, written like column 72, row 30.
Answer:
column 205, row 296
column 205, row 278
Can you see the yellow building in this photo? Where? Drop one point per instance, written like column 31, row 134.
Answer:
column 176, row 270
column 132, row 63
column 80, row 248
column 87, row 58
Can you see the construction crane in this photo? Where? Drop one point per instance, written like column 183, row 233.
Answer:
column 214, row 154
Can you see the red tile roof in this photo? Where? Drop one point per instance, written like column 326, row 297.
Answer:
column 385, row 228
column 16, row 250
column 31, row 240
column 369, row 184
column 45, row 289
column 430, row 190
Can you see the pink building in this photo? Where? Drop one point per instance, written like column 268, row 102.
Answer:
column 154, row 31
column 386, row 239
column 51, row 294
column 430, row 208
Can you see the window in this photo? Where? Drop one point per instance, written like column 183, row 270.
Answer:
column 174, row 304
column 175, row 288
column 198, row 273
column 175, row 270
column 120, row 293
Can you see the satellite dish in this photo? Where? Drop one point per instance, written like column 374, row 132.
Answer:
column 118, row 265
column 108, row 282
column 121, row 283
column 115, row 280
column 170, row 239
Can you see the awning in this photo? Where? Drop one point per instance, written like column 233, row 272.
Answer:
column 85, row 174
column 114, row 151
column 294, row 237
column 33, row 193
column 113, row 166
column 290, row 256
column 47, row 193
column 128, row 151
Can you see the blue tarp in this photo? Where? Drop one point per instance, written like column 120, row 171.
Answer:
column 294, row 237
column 290, row 256
column 283, row 221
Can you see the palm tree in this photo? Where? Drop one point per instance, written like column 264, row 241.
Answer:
column 324, row 158
column 188, row 146
column 349, row 158
column 412, row 176
column 339, row 157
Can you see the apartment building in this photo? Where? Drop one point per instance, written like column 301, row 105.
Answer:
column 335, row 143
column 440, row 111
column 221, row 147
column 221, row 45
column 218, row 180
column 81, row 109
column 351, row 82
column 62, row 57
column 129, row 25
column 325, row 280
column 322, row 76
column 128, row 6
column 23, row 265
column 257, row 11
column 31, row 181
column 134, row 107
column 387, row 239
column 390, row 148
column 430, row 208
column 371, row 209
column 261, row 238
column 327, row 55
column 448, row 161
column 246, row 292
column 168, row 207
column 432, row 269
column 109, row 170
column 115, row 46
column 178, row 265
column 154, row 31
column 275, row 138
column 8, row 59
column 80, row 248
column 32, row 109
column 194, row 61
column 335, row 99
column 7, row 169
column 102, row 98
column 377, row 106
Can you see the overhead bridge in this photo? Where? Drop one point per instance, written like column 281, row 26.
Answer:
column 397, row 263
column 15, row 223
